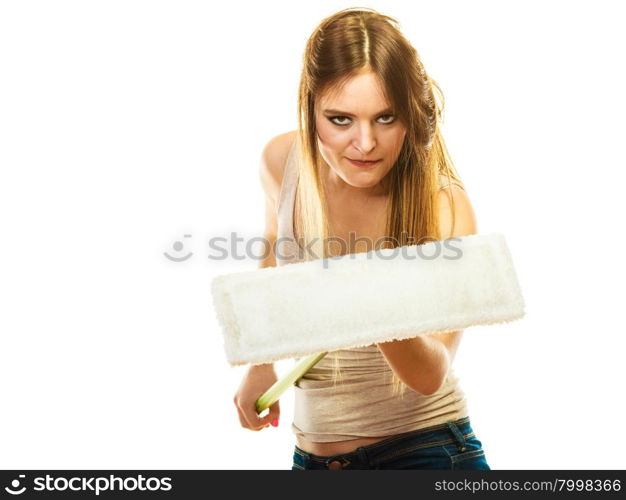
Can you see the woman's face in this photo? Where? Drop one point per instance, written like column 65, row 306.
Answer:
column 355, row 123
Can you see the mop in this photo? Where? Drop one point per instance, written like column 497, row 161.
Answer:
column 307, row 309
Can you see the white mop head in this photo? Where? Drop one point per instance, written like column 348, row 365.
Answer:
column 360, row 299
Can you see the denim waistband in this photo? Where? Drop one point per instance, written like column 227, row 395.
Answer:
column 449, row 432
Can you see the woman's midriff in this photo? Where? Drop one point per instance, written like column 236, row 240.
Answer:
column 335, row 447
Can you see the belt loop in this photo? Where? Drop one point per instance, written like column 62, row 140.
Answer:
column 458, row 435
column 363, row 456
column 306, row 457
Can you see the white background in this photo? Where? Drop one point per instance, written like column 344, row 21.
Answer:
column 125, row 125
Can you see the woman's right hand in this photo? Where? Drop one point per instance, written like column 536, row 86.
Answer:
column 258, row 379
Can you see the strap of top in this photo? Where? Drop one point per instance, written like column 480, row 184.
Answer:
column 286, row 198
column 443, row 182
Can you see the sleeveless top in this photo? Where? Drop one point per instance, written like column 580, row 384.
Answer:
column 349, row 393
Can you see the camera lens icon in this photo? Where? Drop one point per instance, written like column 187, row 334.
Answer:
column 15, row 484
column 178, row 247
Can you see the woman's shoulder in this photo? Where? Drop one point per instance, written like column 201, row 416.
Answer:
column 273, row 160
column 456, row 213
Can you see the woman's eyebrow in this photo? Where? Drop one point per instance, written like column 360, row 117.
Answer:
column 345, row 113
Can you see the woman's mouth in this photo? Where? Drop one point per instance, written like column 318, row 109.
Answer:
column 363, row 164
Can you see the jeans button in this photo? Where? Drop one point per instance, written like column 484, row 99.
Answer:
column 335, row 465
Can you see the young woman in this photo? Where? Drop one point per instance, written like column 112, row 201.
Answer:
column 366, row 165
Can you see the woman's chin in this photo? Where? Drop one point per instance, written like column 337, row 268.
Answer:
column 364, row 179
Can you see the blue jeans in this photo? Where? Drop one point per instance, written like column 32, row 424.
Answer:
column 449, row 446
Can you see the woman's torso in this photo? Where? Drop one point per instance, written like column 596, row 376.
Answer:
column 322, row 402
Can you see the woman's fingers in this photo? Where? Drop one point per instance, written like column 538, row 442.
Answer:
column 248, row 417
column 272, row 417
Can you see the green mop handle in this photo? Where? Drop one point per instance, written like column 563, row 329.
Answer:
column 269, row 397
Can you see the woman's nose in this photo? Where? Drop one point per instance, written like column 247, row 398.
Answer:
column 365, row 140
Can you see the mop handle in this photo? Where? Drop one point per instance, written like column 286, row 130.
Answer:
column 269, row 397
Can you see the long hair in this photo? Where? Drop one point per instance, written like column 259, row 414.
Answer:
column 342, row 45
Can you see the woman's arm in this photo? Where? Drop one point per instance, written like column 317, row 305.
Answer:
column 271, row 169
column 259, row 378
column 423, row 362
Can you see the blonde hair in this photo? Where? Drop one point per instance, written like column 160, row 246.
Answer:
column 342, row 45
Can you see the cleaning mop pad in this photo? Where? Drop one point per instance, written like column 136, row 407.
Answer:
column 356, row 300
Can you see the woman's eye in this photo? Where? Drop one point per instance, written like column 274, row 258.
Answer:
column 390, row 119
column 333, row 118
column 341, row 120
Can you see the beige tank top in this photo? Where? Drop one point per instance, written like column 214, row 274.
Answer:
column 361, row 401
